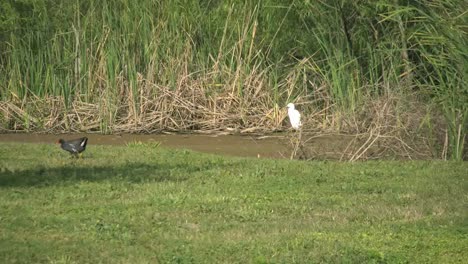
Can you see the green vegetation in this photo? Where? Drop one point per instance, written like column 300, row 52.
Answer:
column 144, row 204
column 121, row 66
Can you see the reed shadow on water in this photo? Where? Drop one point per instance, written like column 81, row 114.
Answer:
column 70, row 174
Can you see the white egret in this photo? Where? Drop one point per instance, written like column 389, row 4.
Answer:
column 294, row 116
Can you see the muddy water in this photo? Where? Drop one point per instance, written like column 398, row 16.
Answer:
column 248, row 146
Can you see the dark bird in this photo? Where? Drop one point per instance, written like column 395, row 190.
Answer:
column 75, row 146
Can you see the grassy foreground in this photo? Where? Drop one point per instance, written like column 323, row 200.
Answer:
column 145, row 204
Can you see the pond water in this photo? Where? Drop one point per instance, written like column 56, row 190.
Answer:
column 279, row 146
column 246, row 146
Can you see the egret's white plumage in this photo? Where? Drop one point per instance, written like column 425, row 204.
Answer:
column 294, row 116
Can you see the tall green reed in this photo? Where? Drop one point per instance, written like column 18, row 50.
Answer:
column 440, row 40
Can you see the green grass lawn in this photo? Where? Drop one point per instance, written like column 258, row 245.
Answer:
column 145, row 204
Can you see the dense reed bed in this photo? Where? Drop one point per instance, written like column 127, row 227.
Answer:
column 382, row 70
